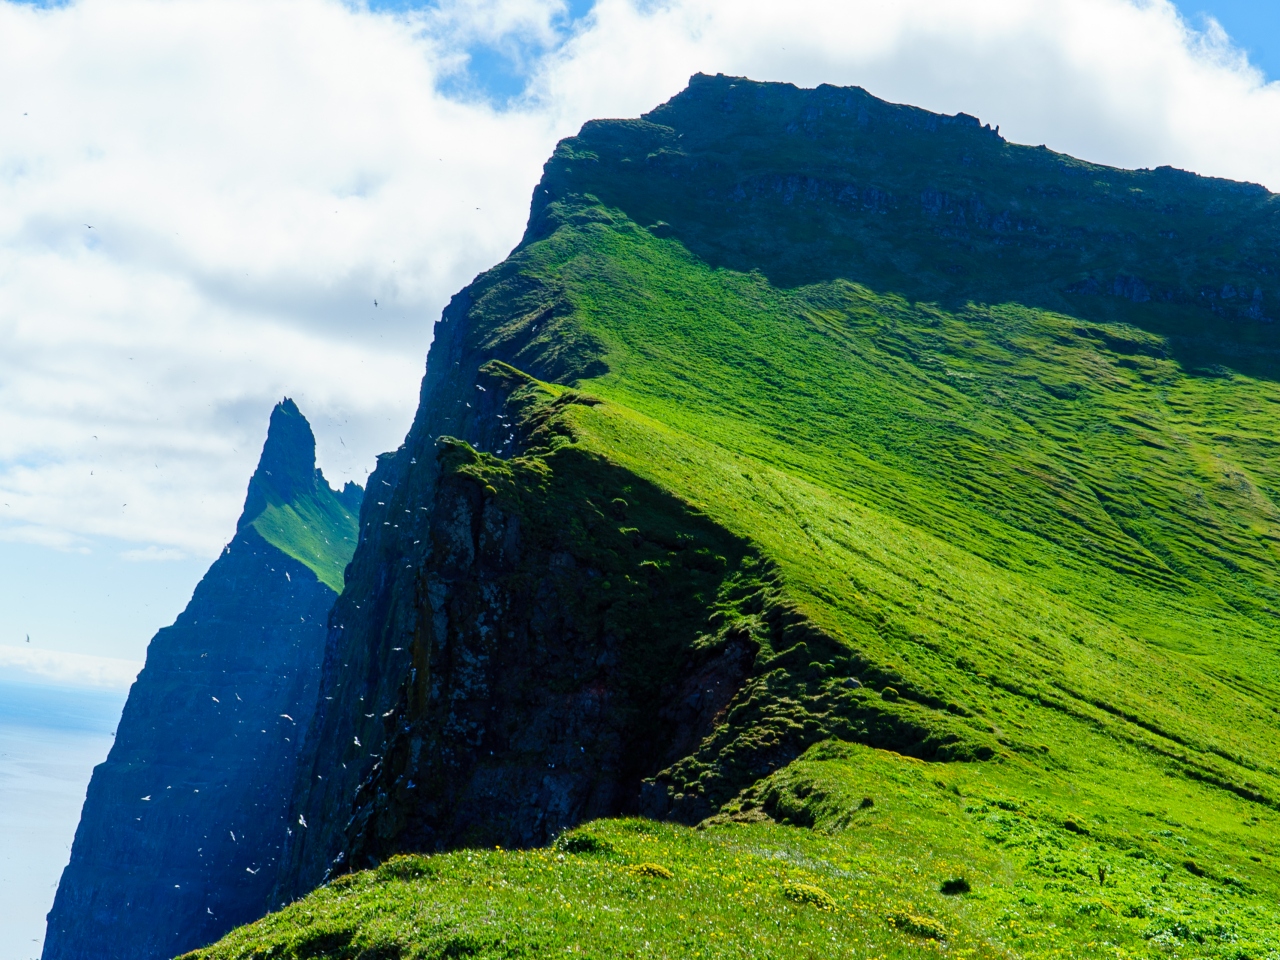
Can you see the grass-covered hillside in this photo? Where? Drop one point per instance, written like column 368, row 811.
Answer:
column 1052, row 532
column 850, row 852
column 319, row 531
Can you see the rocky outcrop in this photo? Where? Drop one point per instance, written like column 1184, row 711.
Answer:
column 523, row 663
column 180, row 837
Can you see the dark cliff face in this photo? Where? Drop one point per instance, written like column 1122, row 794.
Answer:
column 182, row 827
column 376, row 622
column 379, row 623
column 539, row 650
column 371, row 643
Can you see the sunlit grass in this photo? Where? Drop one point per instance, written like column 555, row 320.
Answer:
column 316, row 530
column 1047, row 877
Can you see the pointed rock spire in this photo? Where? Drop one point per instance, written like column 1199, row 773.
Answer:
column 148, row 880
column 287, row 467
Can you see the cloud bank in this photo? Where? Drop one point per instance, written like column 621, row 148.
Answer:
column 200, row 201
column 25, row 665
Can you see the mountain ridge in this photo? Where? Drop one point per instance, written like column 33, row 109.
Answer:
column 983, row 565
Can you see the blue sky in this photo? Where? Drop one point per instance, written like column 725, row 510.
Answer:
column 1254, row 26
column 64, row 596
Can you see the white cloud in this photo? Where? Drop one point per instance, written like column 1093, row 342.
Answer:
column 461, row 22
column 152, row 554
column 257, row 172
column 1115, row 81
column 66, row 669
column 254, row 173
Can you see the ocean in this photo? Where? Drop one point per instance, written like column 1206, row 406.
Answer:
column 50, row 740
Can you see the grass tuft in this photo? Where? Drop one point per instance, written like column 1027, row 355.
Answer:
column 654, row 871
column 807, row 893
column 917, row 925
column 405, row 867
column 580, row 841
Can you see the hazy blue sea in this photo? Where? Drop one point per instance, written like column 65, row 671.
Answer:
column 50, row 740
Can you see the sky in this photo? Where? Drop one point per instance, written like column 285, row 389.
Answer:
column 1252, row 25
column 200, row 203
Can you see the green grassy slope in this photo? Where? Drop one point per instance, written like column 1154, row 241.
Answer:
column 1062, row 523
column 315, row 529
column 849, row 852
column 1125, row 529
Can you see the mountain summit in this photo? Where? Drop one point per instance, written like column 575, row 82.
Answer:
column 810, row 186
column 894, row 503
column 292, row 506
column 181, row 831
column 287, row 467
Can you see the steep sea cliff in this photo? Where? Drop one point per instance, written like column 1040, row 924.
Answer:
column 181, row 831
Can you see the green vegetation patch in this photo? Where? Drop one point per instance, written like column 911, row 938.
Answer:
column 316, row 530
column 808, row 893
